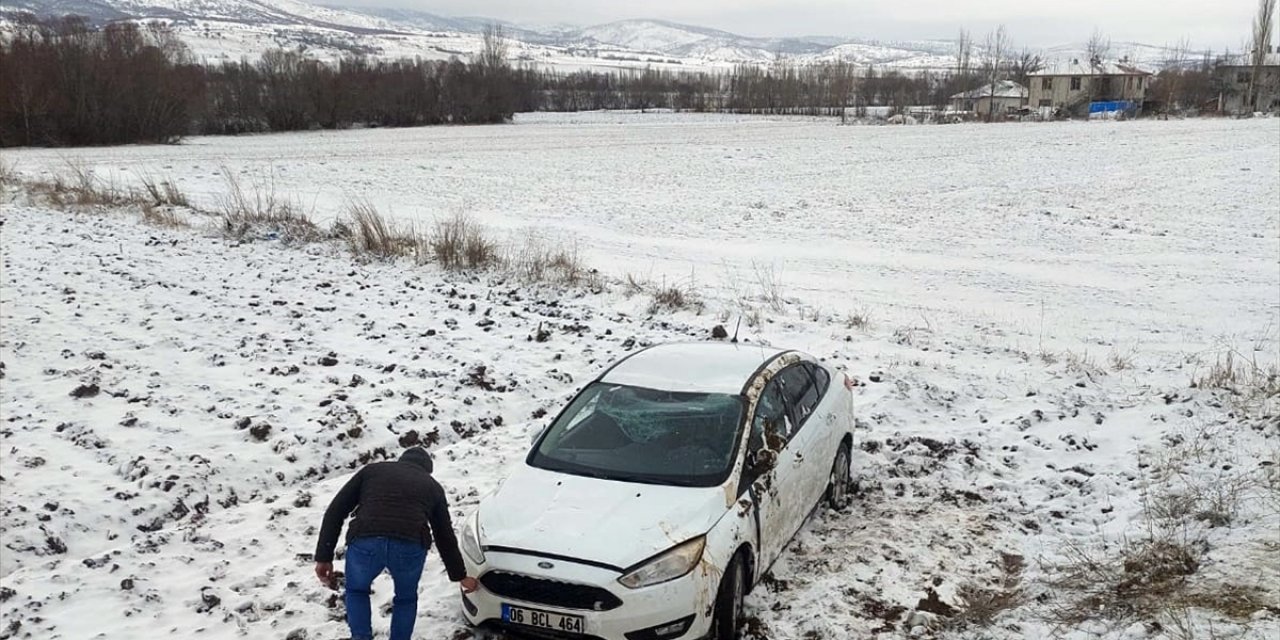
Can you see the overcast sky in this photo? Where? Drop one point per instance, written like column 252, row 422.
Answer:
column 1035, row 23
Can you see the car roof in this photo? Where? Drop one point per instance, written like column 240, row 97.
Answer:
column 698, row 367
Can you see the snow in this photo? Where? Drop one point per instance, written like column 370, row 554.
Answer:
column 230, row 29
column 1003, row 89
column 1082, row 67
column 695, row 367
column 642, row 35
column 1040, row 297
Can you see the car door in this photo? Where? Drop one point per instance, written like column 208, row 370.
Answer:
column 767, row 476
column 824, row 428
column 805, row 442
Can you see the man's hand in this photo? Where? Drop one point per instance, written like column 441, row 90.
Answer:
column 469, row 584
column 324, row 571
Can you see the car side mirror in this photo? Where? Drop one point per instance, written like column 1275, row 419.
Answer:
column 537, row 434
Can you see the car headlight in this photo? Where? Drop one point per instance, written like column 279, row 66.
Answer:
column 471, row 539
column 672, row 564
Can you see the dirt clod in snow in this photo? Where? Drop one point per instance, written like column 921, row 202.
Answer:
column 260, row 431
column 931, row 603
column 85, row 391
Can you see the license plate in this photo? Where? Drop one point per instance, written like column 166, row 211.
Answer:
column 542, row 619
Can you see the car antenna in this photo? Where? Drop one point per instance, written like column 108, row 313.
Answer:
column 735, row 331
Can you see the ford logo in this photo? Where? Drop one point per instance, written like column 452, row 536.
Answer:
column 545, row 565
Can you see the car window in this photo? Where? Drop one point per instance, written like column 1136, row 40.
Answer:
column 800, row 393
column 634, row 434
column 821, row 379
column 769, row 426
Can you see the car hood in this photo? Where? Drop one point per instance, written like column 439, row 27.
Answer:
column 603, row 521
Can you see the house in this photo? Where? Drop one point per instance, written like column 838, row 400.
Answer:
column 1004, row 97
column 1236, row 73
column 1092, row 87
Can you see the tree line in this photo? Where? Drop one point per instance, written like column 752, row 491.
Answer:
column 66, row 83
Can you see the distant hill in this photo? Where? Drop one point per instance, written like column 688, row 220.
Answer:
column 229, row 29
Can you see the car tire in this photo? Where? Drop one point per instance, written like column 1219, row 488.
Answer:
column 727, row 616
column 838, row 486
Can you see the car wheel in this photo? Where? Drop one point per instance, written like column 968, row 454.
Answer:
column 728, row 612
column 838, row 489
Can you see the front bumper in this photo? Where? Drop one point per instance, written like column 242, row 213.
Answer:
column 641, row 609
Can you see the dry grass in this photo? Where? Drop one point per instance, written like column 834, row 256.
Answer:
column 259, row 212
column 536, row 260
column 1253, row 386
column 1131, row 583
column 9, row 173
column 859, row 320
column 460, row 242
column 1083, row 364
column 369, row 234
column 163, row 216
column 982, row 604
column 81, row 188
column 163, row 193
column 633, row 285
column 1118, row 361
column 771, row 287
column 1193, row 487
column 674, row 297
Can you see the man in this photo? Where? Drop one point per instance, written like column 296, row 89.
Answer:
column 399, row 509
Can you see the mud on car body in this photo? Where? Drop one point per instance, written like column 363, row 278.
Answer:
column 658, row 497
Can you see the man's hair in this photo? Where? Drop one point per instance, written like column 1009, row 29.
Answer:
column 418, row 456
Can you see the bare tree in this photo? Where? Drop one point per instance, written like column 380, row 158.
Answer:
column 998, row 45
column 1098, row 49
column 964, row 54
column 1261, row 46
column 493, row 51
column 1175, row 67
column 1023, row 65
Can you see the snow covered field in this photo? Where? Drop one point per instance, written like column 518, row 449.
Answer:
column 178, row 408
column 1119, row 236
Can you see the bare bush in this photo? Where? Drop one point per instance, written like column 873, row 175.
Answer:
column 981, row 604
column 460, row 242
column 1252, row 384
column 1118, row 361
column 9, row 173
column 633, row 284
column 536, row 260
column 162, row 216
column 673, row 297
column 370, row 234
column 1083, row 364
column 1194, row 485
column 859, row 320
column 771, row 288
column 163, row 192
column 259, row 212
column 1134, row 582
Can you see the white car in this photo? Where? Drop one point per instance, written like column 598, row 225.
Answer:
column 660, row 495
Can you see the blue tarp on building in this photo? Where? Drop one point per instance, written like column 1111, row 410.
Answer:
column 1114, row 105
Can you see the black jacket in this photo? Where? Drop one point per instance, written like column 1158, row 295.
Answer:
column 396, row 500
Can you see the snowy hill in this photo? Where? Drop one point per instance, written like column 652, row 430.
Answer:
column 229, row 29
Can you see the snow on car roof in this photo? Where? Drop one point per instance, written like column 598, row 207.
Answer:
column 703, row 367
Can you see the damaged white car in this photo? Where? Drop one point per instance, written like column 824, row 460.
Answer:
column 661, row 494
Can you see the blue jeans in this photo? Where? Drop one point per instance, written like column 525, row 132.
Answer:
column 366, row 558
